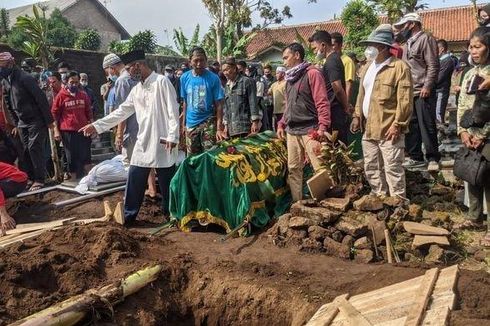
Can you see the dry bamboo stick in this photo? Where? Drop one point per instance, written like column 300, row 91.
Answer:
column 388, row 247
column 73, row 310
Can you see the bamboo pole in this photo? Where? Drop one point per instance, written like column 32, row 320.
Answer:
column 73, row 310
column 58, row 175
column 388, row 247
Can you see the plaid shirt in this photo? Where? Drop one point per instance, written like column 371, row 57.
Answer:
column 241, row 106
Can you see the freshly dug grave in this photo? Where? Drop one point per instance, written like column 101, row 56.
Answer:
column 243, row 281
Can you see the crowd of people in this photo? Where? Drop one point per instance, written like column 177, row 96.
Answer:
column 404, row 85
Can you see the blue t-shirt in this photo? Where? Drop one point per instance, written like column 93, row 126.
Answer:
column 199, row 94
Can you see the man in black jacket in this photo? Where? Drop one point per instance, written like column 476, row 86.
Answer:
column 30, row 110
column 444, row 79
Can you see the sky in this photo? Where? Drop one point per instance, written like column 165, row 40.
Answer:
column 162, row 16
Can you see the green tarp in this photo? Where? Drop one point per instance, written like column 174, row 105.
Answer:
column 241, row 179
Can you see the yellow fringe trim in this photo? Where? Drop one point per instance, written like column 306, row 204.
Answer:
column 204, row 217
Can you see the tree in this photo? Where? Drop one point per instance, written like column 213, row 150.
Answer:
column 359, row 20
column 118, row 47
column 4, row 23
column 395, row 9
column 182, row 43
column 61, row 32
column 145, row 40
column 88, row 40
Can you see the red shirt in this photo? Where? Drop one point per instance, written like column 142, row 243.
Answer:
column 10, row 172
column 396, row 50
column 71, row 112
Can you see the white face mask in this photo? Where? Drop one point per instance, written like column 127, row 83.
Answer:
column 84, row 83
column 371, row 53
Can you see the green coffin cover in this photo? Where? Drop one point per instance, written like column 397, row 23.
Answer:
column 239, row 180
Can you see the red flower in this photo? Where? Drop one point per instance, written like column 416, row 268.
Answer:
column 231, row 150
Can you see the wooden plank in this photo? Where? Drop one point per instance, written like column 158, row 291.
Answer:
column 388, row 246
column 416, row 314
column 326, row 313
column 422, row 229
column 319, row 184
column 422, row 240
column 352, row 314
column 395, row 322
column 437, row 317
column 21, row 238
column 119, row 213
column 24, row 228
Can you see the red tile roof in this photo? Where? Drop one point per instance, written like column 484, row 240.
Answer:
column 454, row 24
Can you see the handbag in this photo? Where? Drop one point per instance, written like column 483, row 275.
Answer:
column 471, row 166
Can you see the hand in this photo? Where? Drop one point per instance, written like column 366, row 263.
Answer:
column 393, row 133
column 169, row 146
column 425, row 92
column 355, row 125
column 51, row 126
column 476, row 142
column 350, row 109
column 15, row 131
column 8, row 223
column 255, row 127
column 466, row 139
column 118, row 142
column 457, row 89
column 221, row 135
column 57, row 135
column 280, row 133
column 485, row 85
column 88, row 130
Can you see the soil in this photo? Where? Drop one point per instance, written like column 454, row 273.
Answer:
column 242, row 281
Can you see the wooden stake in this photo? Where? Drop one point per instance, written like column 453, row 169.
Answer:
column 388, row 247
column 374, row 242
column 119, row 213
column 326, row 314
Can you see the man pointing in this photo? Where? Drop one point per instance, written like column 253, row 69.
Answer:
column 154, row 102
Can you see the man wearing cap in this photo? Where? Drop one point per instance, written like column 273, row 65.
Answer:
column 170, row 74
column 277, row 90
column 203, row 96
column 420, row 53
column 382, row 112
column 154, row 102
column 32, row 116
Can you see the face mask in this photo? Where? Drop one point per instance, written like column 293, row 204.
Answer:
column 73, row 89
column 168, row 74
column 405, row 34
column 113, row 78
column 84, row 83
column 371, row 53
column 63, row 76
column 320, row 56
column 483, row 22
column 5, row 72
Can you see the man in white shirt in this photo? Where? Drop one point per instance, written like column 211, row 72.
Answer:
column 154, row 102
column 383, row 111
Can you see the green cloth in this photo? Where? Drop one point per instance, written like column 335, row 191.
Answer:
column 241, row 179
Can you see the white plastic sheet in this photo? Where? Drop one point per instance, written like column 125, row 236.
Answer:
column 107, row 171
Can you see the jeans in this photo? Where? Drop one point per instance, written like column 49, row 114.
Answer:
column 442, row 99
column 423, row 130
column 136, row 186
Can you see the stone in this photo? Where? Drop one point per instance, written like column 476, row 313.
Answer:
column 348, row 241
column 311, row 245
column 351, row 226
column 283, row 223
column 340, row 204
column 336, row 249
column 378, row 227
column 435, row 255
column 481, row 255
column 399, row 214
column 300, row 222
column 337, row 236
column 393, row 201
column 320, row 215
column 295, row 237
column 363, row 243
column 318, row 233
column 437, row 217
column 440, row 190
column 423, row 229
column 363, row 256
column 422, row 240
column 415, row 212
column 411, row 258
column 369, row 203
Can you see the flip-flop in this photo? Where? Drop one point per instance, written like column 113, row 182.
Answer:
column 35, row 187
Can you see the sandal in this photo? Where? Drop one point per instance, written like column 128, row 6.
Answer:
column 36, row 186
column 470, row 225
column 66, row 176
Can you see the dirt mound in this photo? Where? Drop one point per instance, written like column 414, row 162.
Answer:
column 474, row 294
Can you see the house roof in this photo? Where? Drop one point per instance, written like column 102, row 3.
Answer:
column 63, row 5
column 454, row 24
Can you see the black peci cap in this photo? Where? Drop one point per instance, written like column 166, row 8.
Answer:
column 136, row 55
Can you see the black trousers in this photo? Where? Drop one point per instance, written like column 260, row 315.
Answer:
column 340, row 123
column 136, row 186
column 34, row 152
column 423, row 130
column 77, row 151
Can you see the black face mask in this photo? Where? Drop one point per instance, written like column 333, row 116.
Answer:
column 5, row 72
column 483, row 22
column 405, row 34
